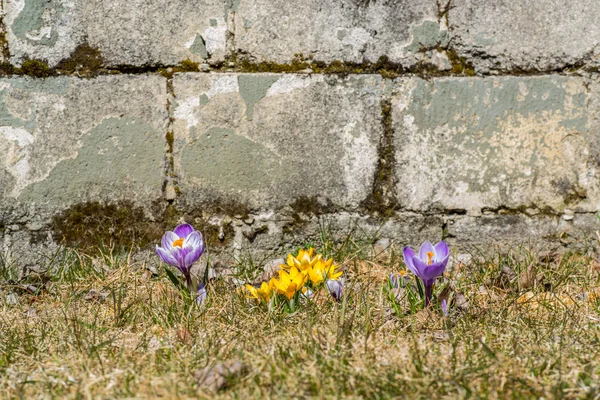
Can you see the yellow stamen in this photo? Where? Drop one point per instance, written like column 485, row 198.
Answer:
column 178, row 243
column 429, row 257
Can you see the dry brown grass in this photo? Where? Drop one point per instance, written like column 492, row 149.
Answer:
column 528, row 333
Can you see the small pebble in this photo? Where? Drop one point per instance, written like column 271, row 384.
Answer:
column 568, row 215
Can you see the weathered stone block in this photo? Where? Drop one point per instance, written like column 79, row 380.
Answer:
column 276, row 236
column 477, row 144
column 132, row 33
column 490, row 233
column 66, row 140
column 333, row 30
column 271, row 140
column 156, row 32
column 541, row 35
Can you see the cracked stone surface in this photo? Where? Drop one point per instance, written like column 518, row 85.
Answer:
column 330, row 30
column 67, row 140
column 267, row 140
column 542, row 35
column 538, row 35
column 477, row 144
column 132, row 33
column 483, row 162
column 490, row 232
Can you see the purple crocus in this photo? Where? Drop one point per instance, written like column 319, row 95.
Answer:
column 201, row 294
column 444, row 307
column 395, row 280
column 336, row 288
column 181, row 248
column 428, row 264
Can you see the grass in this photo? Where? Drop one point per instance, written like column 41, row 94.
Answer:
column 105, row 327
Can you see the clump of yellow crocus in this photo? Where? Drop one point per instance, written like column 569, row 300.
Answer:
column 305, row 273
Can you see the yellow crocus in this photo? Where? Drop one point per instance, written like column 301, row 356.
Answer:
column 331, row 270
column 289, row 282
column 303, row 261
column 261, row 293
column 322, row 270
column 317, row 272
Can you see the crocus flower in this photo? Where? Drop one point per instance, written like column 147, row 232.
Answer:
column 261, row 293
column 201, row 294
column 303, row 261
column 289, row 283
column 444, row 307
column 322, row 270
column 428, row 264
column 181, row 248
column 335, row 287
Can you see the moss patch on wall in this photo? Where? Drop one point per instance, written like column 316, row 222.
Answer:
column 36, row 68
column 381, row 201
column 91, row 225
column 122, row 225
column 188, row 66
column 307, row 206
column 85, row 60
column 460, row 65
column 383, row 67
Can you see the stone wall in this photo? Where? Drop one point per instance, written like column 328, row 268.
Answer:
column 265, row 122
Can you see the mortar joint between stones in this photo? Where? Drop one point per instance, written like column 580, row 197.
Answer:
column 382, row 198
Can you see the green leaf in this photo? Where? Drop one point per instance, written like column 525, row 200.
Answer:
column 173, row 278
column 488, row 351
column 205, row 278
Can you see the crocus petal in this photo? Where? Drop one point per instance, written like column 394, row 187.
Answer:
column 433, row 271
column 394, row 280
column 168, row 239
column 192, row 256
column 420, row 268
column 179, row 254
column 335, row 288
column 441, row 251
column 253, row 293
column 426, row 247
column 265, row 287
column 444, row 307
column 284, row 278
column 194, row 241
column 334, row 276
column 409, row 255
column 166, row 256
column 183, row 230
column 315, row 276
column 290, row 260
column 201, row 294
